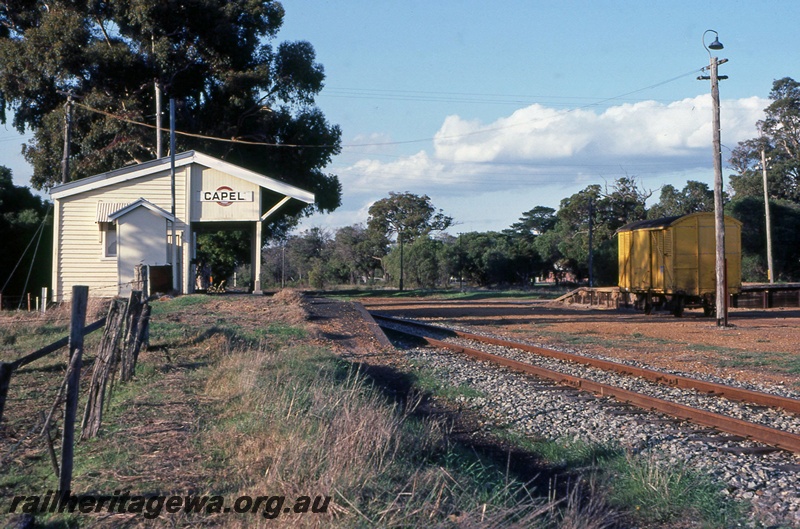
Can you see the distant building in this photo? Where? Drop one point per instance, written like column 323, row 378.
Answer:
column 107, row 225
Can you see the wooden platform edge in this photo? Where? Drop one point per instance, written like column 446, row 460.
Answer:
column 373, row 325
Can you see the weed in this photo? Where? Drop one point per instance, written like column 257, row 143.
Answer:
column 662, row 492
column 427, row 381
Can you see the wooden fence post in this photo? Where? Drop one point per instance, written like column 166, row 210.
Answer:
column 145, row 282
column 80, row 295
column 127, row 358
column 142, row 332
column 6, row 369
column 104, row 367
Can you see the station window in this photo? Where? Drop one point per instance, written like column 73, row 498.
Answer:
column 109, row 239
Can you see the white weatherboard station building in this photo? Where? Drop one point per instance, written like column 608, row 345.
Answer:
column 106, row 225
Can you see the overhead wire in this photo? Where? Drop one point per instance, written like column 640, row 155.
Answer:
column 374, row 144
column 388, row 94
column 35, row 251
column 38, row 231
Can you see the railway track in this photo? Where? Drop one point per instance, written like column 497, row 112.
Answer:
column 633, row 393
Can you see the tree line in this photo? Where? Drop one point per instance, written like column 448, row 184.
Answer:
column 404, row 241
column 104, row 68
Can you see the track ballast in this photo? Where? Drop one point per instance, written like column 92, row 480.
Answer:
column 541, row 408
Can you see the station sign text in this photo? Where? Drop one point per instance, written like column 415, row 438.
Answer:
column 225, row 196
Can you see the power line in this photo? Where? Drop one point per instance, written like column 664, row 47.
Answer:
column 379, row 144
column 21, row 257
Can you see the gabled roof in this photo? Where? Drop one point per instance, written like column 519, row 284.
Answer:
column 144, row 204
column 649, row 224
column 104, row 209
column 133, row 172
column 666, row 222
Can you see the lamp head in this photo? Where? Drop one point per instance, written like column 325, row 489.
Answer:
column 716, row 45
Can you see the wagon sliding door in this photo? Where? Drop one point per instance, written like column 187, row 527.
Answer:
column 657, row 265
column 641, row 263
column 691, row 256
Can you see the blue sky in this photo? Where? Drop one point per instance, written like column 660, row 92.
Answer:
column 492, row 108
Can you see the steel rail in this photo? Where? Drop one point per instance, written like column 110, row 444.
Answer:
column 712, row 388
column 755, row 432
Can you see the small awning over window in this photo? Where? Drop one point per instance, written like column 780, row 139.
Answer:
column 104, row 209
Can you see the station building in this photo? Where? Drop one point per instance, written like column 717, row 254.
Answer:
column 107, row 225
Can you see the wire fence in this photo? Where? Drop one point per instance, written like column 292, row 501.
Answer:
column 40, row 301
column 125, row 331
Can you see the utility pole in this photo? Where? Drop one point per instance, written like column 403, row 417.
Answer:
column 400, row 240
column 283, row 263
column 159, row 148
column 770, row 266
column 175, row 285
column 591, row 243
column 719, row 215
column 67, row 139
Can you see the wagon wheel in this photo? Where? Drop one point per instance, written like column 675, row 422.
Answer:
column 709, row 309
column 648, row 303
column 679, row 303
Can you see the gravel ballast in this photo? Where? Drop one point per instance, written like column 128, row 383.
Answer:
column 533, row 407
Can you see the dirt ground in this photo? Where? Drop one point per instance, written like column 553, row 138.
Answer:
column 758, row 345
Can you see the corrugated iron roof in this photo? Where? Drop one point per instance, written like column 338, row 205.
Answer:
column 649, row 224
column 104, row 209
column 114, row 215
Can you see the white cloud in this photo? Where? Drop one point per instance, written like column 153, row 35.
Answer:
column 370, row 175
column 540, row 145
column 646, row 130
column 539, row 155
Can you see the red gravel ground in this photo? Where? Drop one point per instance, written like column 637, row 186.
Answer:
column 759, row 345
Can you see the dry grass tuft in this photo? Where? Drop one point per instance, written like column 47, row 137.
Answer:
column 288, row 296
column 291, row 305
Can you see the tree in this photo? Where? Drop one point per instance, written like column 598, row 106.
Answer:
column 780, row 140
column 694, row 197
column 785, row 228
column 357, row 251
column 215, row 58
column 623, row 203
column 607, row 211
column 408, row 216
column 21, row 218
column 535, row 222
column 307, row 252
column 424, row 263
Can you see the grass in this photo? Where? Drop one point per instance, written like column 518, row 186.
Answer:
column 315, row 424
column 236, row 409
column 228, row 406
column 598, row 484
column 662, row 493
column 426, row 381
column 538, row 292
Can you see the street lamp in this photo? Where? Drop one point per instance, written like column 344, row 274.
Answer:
column 719, row 219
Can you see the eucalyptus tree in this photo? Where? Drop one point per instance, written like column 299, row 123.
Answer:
column 408, row 216
column 216, row 58
column 585, row 227
column 779, row 140
column 694, row 197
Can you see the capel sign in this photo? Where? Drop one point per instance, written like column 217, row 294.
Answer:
column 225, row 196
